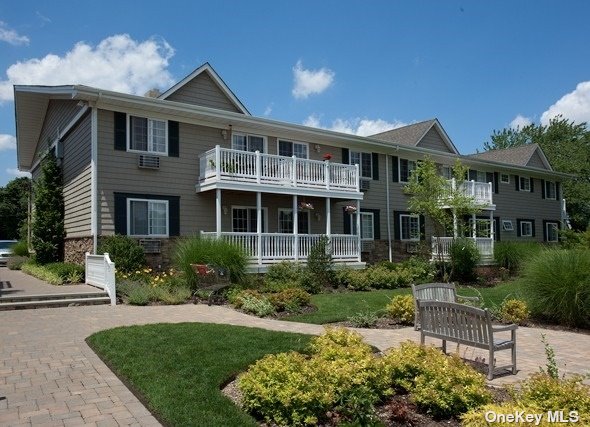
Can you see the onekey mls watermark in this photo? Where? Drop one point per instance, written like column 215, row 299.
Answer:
column 558, row 417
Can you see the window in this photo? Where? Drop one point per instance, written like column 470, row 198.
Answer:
column 406, row 167
column 367, row 225
column 446, row 172
column 365, row 162
column 148, row 135
column 507, row 225
column 525, row 183
column 480, row 176
column 409, row 227
column 551, row 232
column 244, row 219
column 526, row 228
column 251, row 143
column 286, row 221
column 289, row 148
column 483, row 228
column 147, row 217
column 505, row 178
column 550, row 190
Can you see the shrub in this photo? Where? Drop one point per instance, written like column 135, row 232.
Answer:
column 139, row 295
column 418, row 269
column 380, row 276
column 290, row 299
column 556, row 286
column 283, row 275
column 464, row 258
column 56, row 273
column 236, row 297
column 124, row 251
column 320, row 267
column 218, row 252
column 513, row 311
column 20, row 248
column 171, row 295
column 356, row 280
column 571, row 239
column 477, row 417
column 512, row 255
column 363, row 319
column 16, row 262
column 258, row 306
column 402, row 308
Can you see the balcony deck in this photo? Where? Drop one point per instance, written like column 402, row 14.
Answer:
column 441, row 248
column 481, row 192
column 254, row 171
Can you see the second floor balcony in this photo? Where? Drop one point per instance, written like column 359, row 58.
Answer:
column 481, row 192
column 236, row 169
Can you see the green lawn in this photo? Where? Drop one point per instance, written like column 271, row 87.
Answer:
column 178, row 369
column 337, row 307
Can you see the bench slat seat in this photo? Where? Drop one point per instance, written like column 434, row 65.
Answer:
column 445, row 292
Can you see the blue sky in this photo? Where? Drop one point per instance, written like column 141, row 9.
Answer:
column 352, row 66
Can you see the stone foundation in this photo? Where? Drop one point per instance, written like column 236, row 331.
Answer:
column 163, row 260
column 75, row 249
column 379, row 251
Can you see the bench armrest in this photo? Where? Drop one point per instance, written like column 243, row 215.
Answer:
column 512, row 327
column 468, row 298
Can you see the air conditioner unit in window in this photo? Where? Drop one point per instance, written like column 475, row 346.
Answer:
column 365, row 184
column 412, row 247
column 148, row 162
column 151, row 246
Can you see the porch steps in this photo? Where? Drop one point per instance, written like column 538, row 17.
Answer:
column 21, row 302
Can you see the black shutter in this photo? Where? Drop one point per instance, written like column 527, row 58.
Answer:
column 557, row 191
column 396, row 225
column 496, row 182
column 173, row 139
column 517, row 182
column 406, row 176
column 174, row 216
column 375, row 162
column 345, row 156
column 544, row 230
column 533, row 227
column 120, row 214
column 532, row 185
column 518, row 227
column 472, row 175
column 120, row 131
column 394, row 169
column 497, row 228
column 490, row 177
column 542, row 188
column 422, row 228
column 347, row 220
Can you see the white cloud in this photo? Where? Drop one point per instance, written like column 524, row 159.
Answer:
column 268, row 109
column 7, row 142
column 520, row 121
column 117, row 63
column 17, row 173
column 574, row 105
column 309, row 82
column 357, row 126
column 10, row 36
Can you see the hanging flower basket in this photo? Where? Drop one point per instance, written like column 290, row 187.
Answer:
column 306, row 206
column 350, row 209
column 328, row 156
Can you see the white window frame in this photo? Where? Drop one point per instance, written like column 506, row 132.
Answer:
column 507, row 175
column 264, row 209
column 520, row 183
column 481, row 176
column 446, row 172
column 554, row 190
column 149, row 201
column 507, row 225
column 149, row 137
column 530, row 223
column 399, row 168
column 305, row 144
column 361, row 154
column 556, row 226
column 264, row 141
column 290, row 211
column 401, row 228
column 353, row 225
column 482, row 226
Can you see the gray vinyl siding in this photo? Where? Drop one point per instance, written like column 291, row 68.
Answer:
column 202, row 90
column 77, row 180
column 433, row 141
column 535, row 161
column 59, row 114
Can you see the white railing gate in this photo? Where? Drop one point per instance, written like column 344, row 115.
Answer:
column 100, row 272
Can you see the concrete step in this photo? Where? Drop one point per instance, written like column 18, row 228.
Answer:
column 47, row 303
column 44, row 297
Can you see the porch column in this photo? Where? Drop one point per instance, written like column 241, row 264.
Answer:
column 295, row 229
column 473, row 226
column 259, row 227
column 492, row 231
column 358, row 228
column 328, row 217
column 455, row 225
column 218, row 212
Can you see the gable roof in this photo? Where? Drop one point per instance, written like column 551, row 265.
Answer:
column 411, row 135
column 518, row 156
column 207, row 68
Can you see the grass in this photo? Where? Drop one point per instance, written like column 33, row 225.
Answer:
column 338, row 307
column 177, row 369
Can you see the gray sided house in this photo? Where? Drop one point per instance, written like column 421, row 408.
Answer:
column 194, row 161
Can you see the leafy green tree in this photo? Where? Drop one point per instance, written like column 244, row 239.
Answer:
column 48, row 221
column 14, row 199
column 567, row 147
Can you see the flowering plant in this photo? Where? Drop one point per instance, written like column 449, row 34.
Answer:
column 327, row 156
column 350, row 208
column 305, row 205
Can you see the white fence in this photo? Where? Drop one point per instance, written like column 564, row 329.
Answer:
column 481, row 192
column 485, row 245
column 100, row 272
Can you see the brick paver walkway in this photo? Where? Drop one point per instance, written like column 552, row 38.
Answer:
column 15, row 283
column 50, row 377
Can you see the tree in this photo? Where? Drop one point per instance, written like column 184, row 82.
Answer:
column 14, row 201
column 567, row 147
column 48, row 222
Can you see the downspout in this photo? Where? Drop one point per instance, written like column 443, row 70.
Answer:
column 94, row 177
column 388, row 208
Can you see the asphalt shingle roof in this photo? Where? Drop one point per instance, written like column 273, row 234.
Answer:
column 407, row 135
column 518, row 156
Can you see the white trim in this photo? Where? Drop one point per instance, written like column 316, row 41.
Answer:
column 94, row 178
column 401, row 231
column 520, row 183
column 353, row 220
column 388, row 209
column 292, row 142
column 264, row 209
column 148, row 151
column 504, row 174
column 131, row 199
column 507, row 225
column 556, row 225
column 442, row 133
column 247, row 134
column 360, row 153
column 531, row 228
column 290, row 210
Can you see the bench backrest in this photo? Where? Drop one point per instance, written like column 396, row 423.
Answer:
column 462, row 323
column 435, row 292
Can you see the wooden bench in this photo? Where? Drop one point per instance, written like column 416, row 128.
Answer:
column 467, row 325
column 444, row 292
column 212, row 280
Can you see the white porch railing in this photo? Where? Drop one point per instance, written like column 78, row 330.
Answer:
column 275, row 247
column 224, row 164
column 482, row 192
column 100, row 272
column 442, row 246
